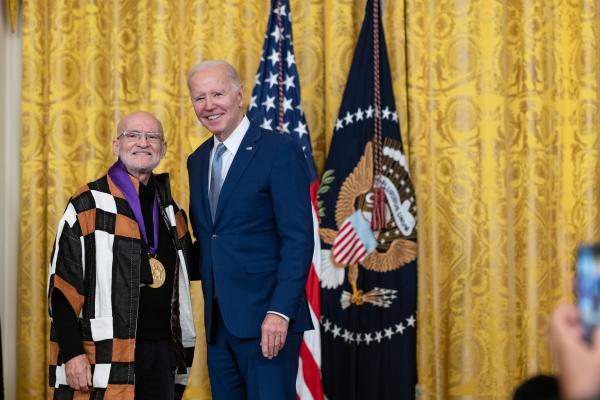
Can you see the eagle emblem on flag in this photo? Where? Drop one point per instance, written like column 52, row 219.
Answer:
column 354, row 243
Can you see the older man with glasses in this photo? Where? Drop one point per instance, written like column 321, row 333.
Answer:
column 122, row 325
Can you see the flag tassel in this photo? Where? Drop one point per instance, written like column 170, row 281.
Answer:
column 378, row 214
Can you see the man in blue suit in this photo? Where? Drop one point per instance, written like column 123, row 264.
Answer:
column 251, row 214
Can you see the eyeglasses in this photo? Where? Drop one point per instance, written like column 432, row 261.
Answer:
column 136, row 136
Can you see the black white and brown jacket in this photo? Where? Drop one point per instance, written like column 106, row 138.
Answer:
column 95, row 263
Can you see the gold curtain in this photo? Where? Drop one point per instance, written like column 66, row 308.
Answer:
column 499, row 108
column 503, row 139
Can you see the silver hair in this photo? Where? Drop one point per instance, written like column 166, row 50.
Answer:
column 234, row 77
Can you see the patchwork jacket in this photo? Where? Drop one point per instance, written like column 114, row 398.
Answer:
column 95, row 263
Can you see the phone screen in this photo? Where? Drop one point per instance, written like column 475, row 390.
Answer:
column 588, row 288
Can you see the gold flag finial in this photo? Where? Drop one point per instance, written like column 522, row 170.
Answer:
column 12, row 14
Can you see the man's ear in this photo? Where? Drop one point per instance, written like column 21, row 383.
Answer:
column 163, row 150
column 241, row 96
column 115, row 147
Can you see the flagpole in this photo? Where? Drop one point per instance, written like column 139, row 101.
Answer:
column 280, row 69
column 378, row 214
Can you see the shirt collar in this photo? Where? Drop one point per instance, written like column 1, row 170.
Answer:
column 232, row 143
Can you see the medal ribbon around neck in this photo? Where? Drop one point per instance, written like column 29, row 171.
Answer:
column 119, row 175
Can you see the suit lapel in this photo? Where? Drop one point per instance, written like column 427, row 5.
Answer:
column 244, row 154
column 204, row 168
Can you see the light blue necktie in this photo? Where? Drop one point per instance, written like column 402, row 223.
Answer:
column 216, row 179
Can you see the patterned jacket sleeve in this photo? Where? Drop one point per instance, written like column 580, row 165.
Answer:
column 66, row 329
column 67, row 261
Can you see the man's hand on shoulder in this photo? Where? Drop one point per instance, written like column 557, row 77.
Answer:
column 274, row 332
column 79, row 373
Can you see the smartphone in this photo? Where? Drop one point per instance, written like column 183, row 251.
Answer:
column 588, row 288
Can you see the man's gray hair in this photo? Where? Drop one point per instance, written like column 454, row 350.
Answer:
column 234, row 77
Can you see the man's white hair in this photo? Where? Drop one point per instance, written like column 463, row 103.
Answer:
column 234, row 77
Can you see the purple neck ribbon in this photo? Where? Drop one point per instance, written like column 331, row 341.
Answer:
column 119, row 175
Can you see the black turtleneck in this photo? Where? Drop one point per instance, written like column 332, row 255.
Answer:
column 154, row 314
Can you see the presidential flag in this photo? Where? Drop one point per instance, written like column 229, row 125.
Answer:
column 275, row 105
column 368, row 237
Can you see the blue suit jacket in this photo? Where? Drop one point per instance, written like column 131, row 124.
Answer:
column 256, row 255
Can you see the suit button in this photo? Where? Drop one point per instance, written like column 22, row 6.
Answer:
column 214, row 237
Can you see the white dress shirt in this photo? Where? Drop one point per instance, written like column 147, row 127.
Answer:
column 232, row 144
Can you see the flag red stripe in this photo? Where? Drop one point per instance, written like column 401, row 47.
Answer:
column 351, row 259
column 349, row 253
column 313, row 293
column 311, row 372
column 360, row 256
column 343, row 234
column 341, row 247
column 359, row 252
column 340, row 253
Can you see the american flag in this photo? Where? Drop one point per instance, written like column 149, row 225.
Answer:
column 275, row 105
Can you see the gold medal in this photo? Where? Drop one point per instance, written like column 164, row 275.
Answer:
column 158, row 273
